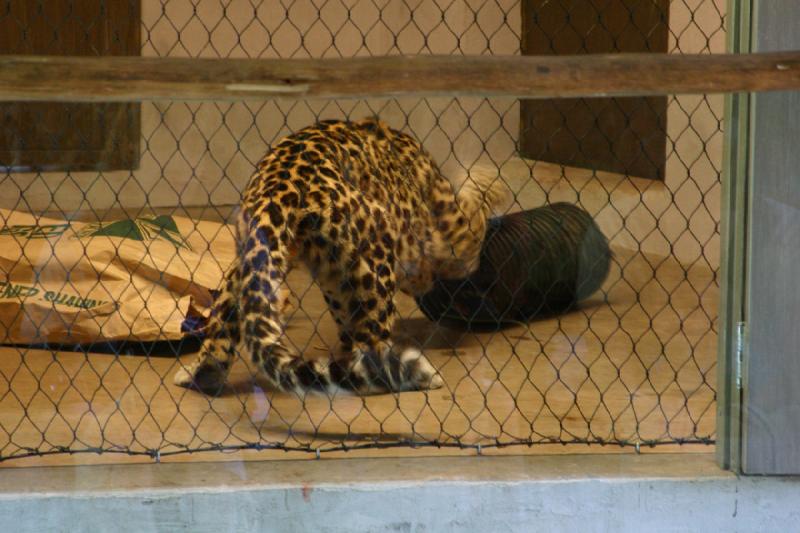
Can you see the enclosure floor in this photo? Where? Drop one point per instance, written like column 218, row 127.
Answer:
column 637, row 366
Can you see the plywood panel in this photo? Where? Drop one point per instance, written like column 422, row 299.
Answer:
column 637, row 366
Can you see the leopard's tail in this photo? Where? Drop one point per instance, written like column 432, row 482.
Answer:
column 458, row 242
column 478, row 197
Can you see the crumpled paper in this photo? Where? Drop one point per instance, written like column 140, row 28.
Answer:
column 125, row 279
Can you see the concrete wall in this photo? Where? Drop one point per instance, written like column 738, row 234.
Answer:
column 615, row 493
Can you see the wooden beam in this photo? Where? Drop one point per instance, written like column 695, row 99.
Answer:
column 92, row 79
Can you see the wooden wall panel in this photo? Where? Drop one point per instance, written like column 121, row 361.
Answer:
column 49, row 136
column 626, row 135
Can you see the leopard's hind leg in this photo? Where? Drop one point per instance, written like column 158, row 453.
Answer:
column 209, row 370
column 359, row 290
column 358, row 280
column 360, row 283
column 265, row 299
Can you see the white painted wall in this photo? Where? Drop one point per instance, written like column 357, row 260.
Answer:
column 203, row 154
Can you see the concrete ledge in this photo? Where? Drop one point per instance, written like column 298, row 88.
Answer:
column 656, row 492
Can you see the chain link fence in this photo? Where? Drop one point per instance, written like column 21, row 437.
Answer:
column 108, row 271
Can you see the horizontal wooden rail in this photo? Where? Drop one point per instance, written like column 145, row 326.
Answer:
column 90, row 79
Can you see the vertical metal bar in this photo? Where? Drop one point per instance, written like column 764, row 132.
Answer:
column 733, row 253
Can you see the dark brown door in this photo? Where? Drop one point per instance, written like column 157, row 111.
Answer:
column 44, row 136
column 626, row 135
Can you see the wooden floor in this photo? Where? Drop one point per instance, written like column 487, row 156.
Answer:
column 635, row 363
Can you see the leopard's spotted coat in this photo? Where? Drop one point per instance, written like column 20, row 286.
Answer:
column 367, row 210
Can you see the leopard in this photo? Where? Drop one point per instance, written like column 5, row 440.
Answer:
column 368, row 212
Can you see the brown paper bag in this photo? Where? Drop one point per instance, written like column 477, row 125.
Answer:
column 130, row 279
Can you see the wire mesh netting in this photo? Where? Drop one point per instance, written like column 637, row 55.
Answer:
column 118, row 226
